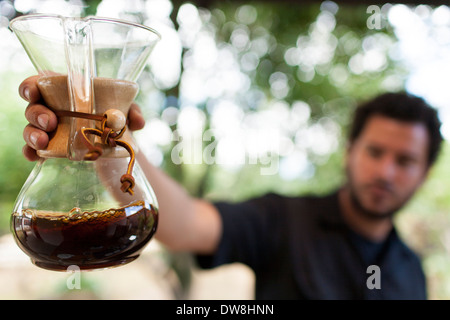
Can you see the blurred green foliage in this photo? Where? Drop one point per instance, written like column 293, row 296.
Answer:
column 341, row 30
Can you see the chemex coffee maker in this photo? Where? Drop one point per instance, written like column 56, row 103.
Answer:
column 86, row 202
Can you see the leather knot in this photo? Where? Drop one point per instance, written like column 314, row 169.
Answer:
column 108, row 137
column 128, row 183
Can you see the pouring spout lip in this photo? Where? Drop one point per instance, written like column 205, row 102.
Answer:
column 88, row 18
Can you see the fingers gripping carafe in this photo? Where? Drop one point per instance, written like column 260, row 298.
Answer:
column 86, row 202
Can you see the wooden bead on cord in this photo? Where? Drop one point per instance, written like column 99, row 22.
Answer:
column 115, row 119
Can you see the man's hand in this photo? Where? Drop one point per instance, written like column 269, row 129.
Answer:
column 42, row 120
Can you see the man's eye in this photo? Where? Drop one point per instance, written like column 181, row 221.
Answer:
column 374, row 152
column 405, row 161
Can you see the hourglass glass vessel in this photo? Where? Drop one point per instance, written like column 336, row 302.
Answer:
column 86, row 202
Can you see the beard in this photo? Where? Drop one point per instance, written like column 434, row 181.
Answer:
column 366, row 212
column 355, row 192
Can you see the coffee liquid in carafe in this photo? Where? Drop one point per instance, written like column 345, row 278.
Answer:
column 87, row 239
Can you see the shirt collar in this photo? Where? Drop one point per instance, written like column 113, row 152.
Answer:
column 331, row 215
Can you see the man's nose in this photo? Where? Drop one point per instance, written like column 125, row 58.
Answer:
column 386, row 167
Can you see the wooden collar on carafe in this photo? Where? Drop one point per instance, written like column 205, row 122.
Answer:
column 112, row 118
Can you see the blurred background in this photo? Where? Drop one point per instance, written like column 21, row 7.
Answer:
column 243, row 98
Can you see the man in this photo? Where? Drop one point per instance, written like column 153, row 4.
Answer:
column 341, row 246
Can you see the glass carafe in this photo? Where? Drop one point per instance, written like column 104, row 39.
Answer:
column 86, row 202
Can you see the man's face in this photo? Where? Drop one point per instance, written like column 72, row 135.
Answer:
column 386, row 164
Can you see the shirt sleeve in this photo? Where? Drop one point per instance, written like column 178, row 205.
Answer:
column 249, row 232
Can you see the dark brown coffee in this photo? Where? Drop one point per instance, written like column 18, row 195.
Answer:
column 89, row 240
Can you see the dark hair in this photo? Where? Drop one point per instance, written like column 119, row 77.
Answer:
column 403, row 107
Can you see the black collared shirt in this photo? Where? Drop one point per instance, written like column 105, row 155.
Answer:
column 300, row 248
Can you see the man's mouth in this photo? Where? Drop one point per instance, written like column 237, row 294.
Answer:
column 380, row 190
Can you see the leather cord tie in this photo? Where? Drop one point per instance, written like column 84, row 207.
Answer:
column 108, row 137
